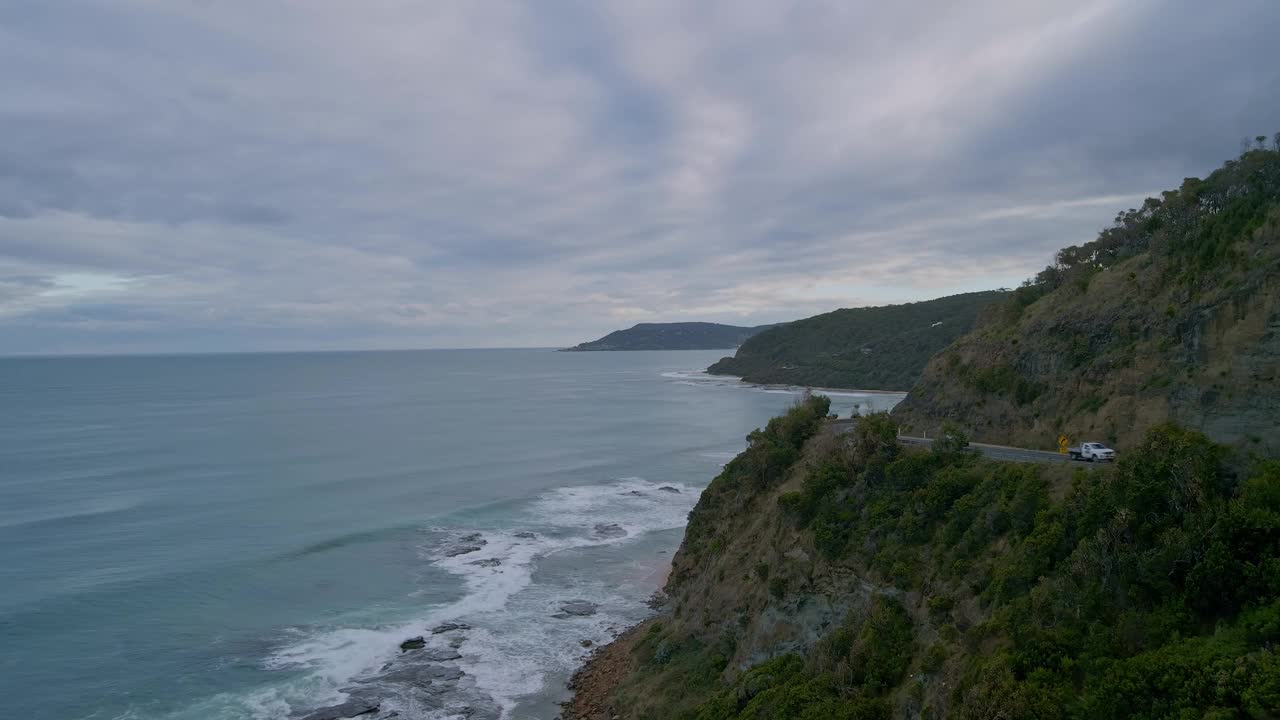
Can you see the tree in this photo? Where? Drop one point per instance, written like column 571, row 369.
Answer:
column 1275, row 142
column 1262, row 142
column 952, row 440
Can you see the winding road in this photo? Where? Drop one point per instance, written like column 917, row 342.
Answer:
column 995, row 452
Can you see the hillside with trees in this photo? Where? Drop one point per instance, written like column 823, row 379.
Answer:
column 829, row 576
column 673, row 336
column 871, row 348
column 1171, row 314
column 833, row 573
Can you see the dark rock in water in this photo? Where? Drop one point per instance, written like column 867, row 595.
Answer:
column 456, row 642
column 472, row 712
column 576, row 608
column 526, row 535
column 585, row 643
column 413, row 643
column 610, row 530
column 434, row 679
column 350, row 709
column 449, row 627
column 455, row 550
column 668, row 489
column 487, row 562
column 441, row 654
column 474, row 538
column 633, row 493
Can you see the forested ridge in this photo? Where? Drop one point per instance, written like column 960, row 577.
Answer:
column 1172, row 314
column 829, row 577
column 673, row 336
column 871, row 348
column 834, row 574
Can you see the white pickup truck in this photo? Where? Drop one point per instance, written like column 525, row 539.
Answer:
column 1092, row 451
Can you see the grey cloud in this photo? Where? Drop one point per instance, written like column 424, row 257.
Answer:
column 326, row 174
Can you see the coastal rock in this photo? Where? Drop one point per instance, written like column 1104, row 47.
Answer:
column 576, row 608
column 456, row 642
column 349, row 709
column 669, row 489
column 610, row 530
column 526, row 535
column 633, row 493
column 434, row 679
column 474, row 538
column 461, row 549
column 413, row 643
column 449, row 627
column 487, row 562
column 585, row 643
column 480, row 712
column 441, row 654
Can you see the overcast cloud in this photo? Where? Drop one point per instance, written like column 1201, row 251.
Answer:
column 240, row 175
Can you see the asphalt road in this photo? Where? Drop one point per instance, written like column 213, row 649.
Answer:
column 995, row 452
column 1000, row 452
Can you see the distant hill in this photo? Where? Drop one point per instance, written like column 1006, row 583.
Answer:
column 673, row 336
column 1171, row 314
column 874, row 348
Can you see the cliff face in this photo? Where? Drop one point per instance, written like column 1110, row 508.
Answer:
column 828, row 573
column 1171, row 315
column 872, row 348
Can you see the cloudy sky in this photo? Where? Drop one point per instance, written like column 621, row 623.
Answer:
column 263, row 174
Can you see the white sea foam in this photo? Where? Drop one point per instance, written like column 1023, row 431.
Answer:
column 514, row 644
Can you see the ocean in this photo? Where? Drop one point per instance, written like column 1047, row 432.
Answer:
column 216, row 537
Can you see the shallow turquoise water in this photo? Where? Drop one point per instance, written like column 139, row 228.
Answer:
column 239, row 536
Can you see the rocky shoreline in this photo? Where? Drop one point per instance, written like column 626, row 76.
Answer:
column 594, row 683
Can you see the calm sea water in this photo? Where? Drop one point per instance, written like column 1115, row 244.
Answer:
column 251, row 536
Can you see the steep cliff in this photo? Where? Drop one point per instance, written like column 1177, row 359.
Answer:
column 1172, row 314
column 829, row 575
column 873, row 348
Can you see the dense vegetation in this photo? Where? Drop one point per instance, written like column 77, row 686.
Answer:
column 674, row 336
column 1147, row 590
column 1198, row 226
column 877, row 348
column 1167, row 316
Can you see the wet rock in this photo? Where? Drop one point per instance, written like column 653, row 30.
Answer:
column 576, row 608
column 349, row 709
column 434, row 679
column 456, row 642
column 526, row 535
column 474, row 538
column 413, row 643
column 633, row 493
column 449, row 627
column 669, row 489
column 480, row 712
column 610, row 530
column 456, row 550
column 487, row 562
column 441, row 654
column 585, row 643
